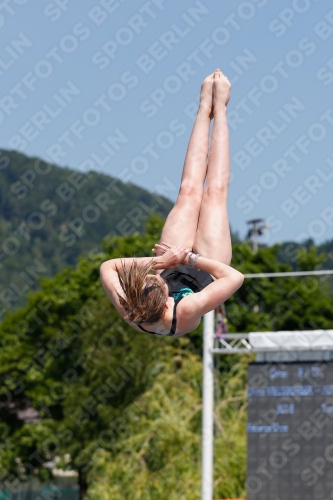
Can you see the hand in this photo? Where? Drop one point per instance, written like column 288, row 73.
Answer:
column 169, row 256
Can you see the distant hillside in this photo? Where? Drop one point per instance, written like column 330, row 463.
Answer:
column 288, row 251
column 51, row 215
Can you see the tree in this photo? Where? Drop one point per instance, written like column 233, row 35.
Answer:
column 53, row 215
column 120, row 407
column 158, row 453
column 69, row 356
column 288, row 303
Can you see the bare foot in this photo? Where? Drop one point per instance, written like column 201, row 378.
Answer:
column 221, row 91
column 206, row 95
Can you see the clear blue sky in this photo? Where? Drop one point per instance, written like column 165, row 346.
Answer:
column 75, row 76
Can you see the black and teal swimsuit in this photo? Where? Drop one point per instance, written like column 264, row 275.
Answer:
column 182, row 281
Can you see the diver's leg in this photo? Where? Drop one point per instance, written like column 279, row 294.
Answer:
column 213, row 233
column 181, row 224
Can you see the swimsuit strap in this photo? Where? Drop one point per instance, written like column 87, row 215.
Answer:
column 141, row 328
column 173, row 324
column 174, row 319
column 190, row 279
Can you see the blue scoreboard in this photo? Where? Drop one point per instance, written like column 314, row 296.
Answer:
column 290, row 431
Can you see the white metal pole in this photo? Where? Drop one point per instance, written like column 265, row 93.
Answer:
column 208, row 407
column 289, row 273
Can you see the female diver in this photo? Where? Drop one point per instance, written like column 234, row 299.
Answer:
column 191, row 263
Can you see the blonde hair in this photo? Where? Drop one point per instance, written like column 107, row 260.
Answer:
column 144, row 302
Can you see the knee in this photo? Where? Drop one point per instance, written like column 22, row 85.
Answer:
column 191, row 192
column 216, row 191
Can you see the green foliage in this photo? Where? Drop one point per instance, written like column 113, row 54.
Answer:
column 272, row 304
column 289, row 253
column 308, row 260
column 158, row 453
column 121, row 407
column 62, row 214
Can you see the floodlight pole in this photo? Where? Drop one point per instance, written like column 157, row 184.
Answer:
column 208, row 407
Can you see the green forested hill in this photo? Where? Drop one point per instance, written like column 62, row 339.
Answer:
column 55, row 214
column 50, row 215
